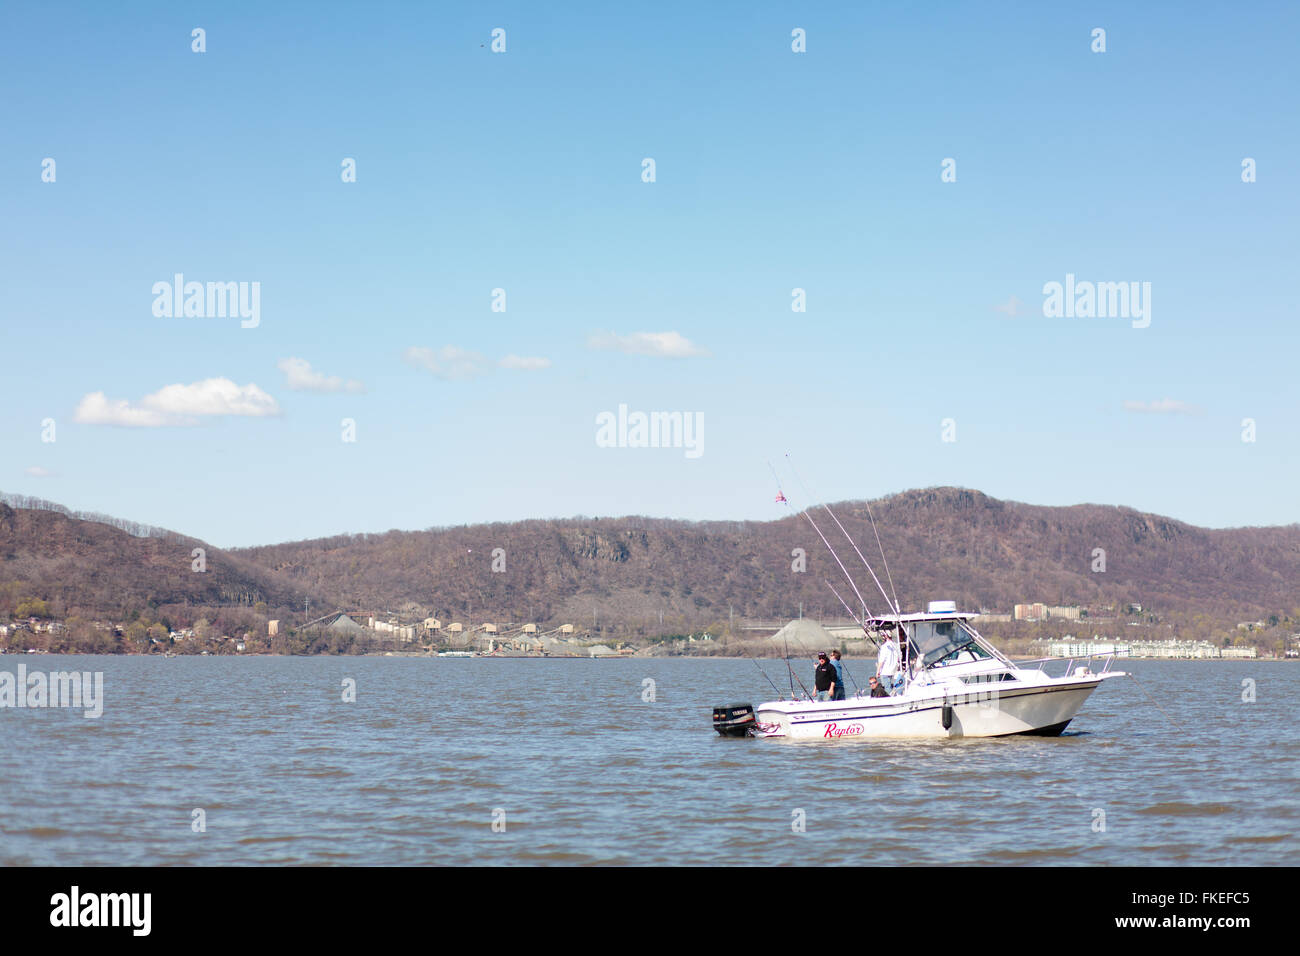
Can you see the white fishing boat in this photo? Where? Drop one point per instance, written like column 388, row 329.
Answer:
column 954, row 683
column 947, row 680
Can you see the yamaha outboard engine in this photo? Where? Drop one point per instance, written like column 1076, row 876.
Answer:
column 734, row 720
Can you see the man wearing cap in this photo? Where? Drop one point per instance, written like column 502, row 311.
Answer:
column 824, row 678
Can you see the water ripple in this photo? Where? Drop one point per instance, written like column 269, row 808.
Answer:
column 567, row 765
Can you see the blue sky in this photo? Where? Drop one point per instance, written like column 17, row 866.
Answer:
column 522, row 170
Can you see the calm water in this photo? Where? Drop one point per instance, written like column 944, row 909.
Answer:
column 586, row 772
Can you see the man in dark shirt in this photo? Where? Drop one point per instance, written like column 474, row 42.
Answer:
column 824, row 678
column 878, row 689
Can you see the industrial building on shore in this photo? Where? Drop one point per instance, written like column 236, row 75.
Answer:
column 1167, row 650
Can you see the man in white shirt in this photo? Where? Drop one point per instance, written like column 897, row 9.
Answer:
column 887, row 663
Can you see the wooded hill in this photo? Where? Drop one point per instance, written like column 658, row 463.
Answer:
column 92, row 567
column 942, row 543
column 647, row 576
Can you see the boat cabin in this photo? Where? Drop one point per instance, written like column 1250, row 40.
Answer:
column 941, row 637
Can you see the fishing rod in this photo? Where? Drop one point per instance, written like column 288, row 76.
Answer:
column 769, row 680
column 888, row 576
column 780, row 497
column 851, row 542
column 793, row 678
column 861, row 623
column 789, row 668
column 801, row 686
column 897, row 607
column 845, row 571
column 845, row 667
column 848, row 577
column 866, row 632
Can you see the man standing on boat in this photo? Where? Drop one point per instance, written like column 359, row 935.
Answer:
column 824, row 678
column 838, row 664
column 887, row 663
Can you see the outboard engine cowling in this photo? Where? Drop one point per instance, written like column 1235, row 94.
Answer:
column 734, row 720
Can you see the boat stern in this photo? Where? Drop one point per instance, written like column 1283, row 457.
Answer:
column 734, row 720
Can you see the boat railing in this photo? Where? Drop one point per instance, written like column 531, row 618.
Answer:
column 1085, row 659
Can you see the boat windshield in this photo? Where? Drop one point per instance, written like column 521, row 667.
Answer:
column 936, row 641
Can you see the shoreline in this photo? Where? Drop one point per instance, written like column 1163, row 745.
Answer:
column 619, row 657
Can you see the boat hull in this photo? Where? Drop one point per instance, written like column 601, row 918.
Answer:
column 1045, row 709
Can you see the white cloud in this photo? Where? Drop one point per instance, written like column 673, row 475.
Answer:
column 97, row 409
column 300, row 377
column 177, row 405
column 658, row 344
column 449, row 362
column 524, row 362
column 1165, row 406
column 36, row 471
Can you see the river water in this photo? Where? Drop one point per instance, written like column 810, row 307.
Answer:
column 483, row 761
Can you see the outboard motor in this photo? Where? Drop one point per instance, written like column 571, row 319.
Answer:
column 734, row 720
